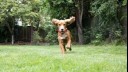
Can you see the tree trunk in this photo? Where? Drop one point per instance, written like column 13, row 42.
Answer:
column 31, row 31
column 11, row 28
column 12, row 39
column 110, row 37
column 31, row 34
column 13, row 24
column 122, row 18
column 79, row 16
column 123, row 21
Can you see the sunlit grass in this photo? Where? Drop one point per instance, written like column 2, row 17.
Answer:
column 84, row 58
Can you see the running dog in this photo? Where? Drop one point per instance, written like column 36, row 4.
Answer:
column 64, row 36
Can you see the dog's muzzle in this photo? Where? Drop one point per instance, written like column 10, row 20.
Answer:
column 61, row 28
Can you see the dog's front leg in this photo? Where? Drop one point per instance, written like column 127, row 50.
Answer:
column 61, row 46
column 68, row 43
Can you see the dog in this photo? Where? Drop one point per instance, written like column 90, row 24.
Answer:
column 64, row 36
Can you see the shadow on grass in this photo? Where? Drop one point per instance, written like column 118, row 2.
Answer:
column 70, row 52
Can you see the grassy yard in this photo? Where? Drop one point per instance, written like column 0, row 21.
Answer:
column 84, row 58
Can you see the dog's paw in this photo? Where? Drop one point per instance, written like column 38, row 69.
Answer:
column 70, row 49
column 68, row 46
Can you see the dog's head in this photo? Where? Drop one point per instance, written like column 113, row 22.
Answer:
column 62, row 24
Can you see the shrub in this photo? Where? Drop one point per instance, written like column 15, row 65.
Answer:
column 50, row 29
column 36, row 38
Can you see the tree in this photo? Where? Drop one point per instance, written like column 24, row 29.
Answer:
column 107, row 26
column 29, row 12
column 79, row 15
column 7, row 16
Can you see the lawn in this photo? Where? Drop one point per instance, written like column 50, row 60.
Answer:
column 83, row 58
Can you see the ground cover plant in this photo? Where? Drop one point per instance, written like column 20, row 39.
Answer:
column 83, row 58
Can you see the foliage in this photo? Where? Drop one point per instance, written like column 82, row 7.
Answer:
column 98, row 39
column 36, row 38
column 38, row 13
column 29, row 11
column 124, row 2
column 61, row 8
column 52, row 37
column 87, row 35
column 50, row 29
column 106, row 13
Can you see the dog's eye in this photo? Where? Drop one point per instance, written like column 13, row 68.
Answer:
column 64, row 24
column 59, row 24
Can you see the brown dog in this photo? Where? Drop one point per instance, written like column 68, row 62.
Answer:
column 64, row 36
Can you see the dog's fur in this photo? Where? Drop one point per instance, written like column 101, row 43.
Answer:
column 64, row 36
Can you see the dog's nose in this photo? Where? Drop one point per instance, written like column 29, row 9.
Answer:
column 62, row 29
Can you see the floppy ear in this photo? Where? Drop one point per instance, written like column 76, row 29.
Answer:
column 55, row 21
column 70, row 20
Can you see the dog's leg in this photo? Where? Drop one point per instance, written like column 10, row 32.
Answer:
column 69, row 45
column 64, row 48
column 61, row 46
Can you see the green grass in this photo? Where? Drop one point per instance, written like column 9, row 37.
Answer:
column 84, row 58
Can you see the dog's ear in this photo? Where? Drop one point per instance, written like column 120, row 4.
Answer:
column 55, row 21
column 70, row 20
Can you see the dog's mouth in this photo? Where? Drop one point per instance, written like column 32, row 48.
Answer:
column 62, row 31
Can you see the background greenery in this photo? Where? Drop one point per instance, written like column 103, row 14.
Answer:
column 97, row 21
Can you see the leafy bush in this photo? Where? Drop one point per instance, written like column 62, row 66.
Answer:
column 98, row 39
column 51, row 37
column 36, row 38
column 107, row 22
column 50, row 29
column 87, row 35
